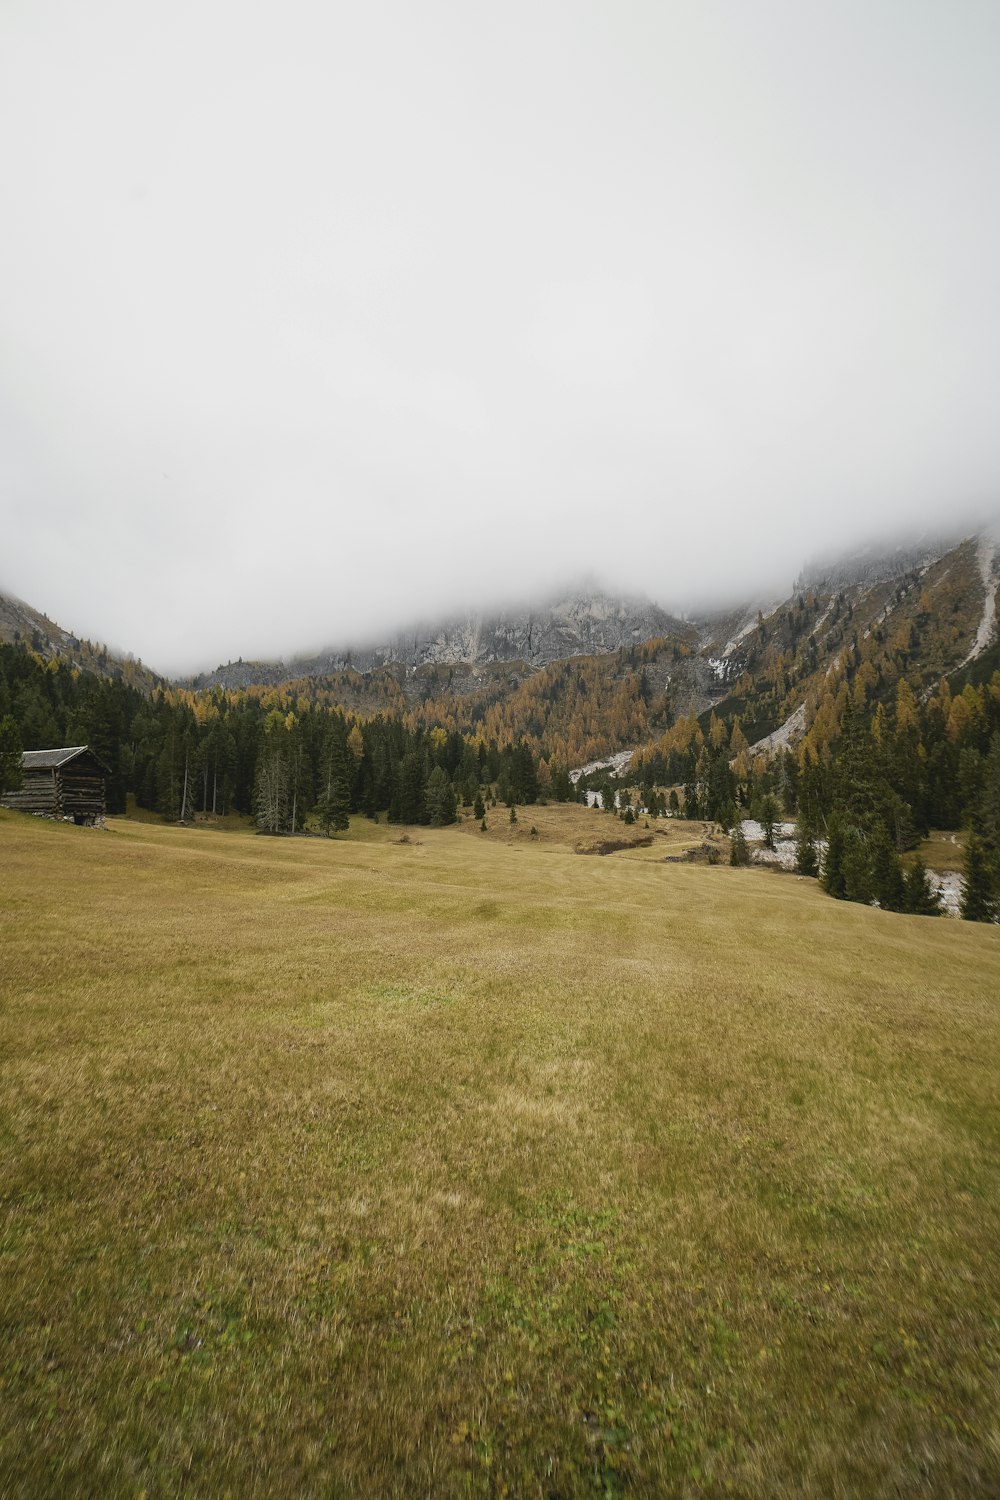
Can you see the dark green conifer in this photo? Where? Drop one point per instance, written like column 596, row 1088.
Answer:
column 806, row 858
column 919, row 899
column 832, row 878
column 333, row 807
column 439, row 799
column 10, row 755
column 739, row 851
column 769, row 815
column 979, row 900
column 886, row 874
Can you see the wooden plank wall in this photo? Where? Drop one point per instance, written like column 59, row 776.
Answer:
column 59, row 793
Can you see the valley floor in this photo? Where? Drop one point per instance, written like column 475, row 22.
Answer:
column 469, row 1165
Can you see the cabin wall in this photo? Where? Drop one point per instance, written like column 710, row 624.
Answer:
column 40, row 792
column 59, row 793
column 82, row 796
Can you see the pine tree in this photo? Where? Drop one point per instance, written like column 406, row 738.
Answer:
column 769, row 815
column 439, row 799
column 11, row 776
column 410, row 788
column 806, row 858
column 832, row 878
column 479, row 807
column 989, row 802
column 856, row 866
column 272, row 805
column 811, row 794
column 919, row 899
column 168, row 800
column 979, row 902
column 739, row 851
column 887, row 874
column 333, row 807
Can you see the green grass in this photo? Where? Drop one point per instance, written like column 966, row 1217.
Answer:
column 942, row 850
column 474, row 1166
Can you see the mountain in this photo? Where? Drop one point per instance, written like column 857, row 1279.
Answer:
column 578, row 623
column 859, row 623
column 589, row 673
column 21, row 624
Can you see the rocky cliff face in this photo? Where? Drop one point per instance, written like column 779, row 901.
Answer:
column 21, row 624
column 871, row 565
column 577, row 625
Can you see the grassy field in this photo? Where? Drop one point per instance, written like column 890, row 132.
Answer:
column 942, row 851
column 470, row 1165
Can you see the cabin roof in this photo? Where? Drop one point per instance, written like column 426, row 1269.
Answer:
column 48, row 760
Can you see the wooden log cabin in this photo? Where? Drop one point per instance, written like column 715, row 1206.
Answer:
column 68, row 783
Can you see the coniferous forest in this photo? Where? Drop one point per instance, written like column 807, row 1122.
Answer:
column 270, row 754
column 866, row 794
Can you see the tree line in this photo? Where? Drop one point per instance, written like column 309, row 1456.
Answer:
column 870, row 792
column 272, row 756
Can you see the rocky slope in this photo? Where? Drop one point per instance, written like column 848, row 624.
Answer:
column 20, row 623
column 590, row 674
column 577, row 624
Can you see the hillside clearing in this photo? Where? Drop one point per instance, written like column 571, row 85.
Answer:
column 467, row 1165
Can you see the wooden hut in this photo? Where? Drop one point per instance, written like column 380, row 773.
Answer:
column 65, row 783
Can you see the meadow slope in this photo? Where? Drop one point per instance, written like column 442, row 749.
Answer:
column 472, row 1165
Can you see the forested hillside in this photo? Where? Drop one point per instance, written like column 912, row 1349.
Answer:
column 22, row 625
column 867, row 705
column 275, row 755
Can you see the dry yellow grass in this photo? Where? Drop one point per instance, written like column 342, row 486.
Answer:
column 942, row 850
column 588, row 830
column 449, row 1167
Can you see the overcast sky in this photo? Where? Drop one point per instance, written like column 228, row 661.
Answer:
column 316, row 317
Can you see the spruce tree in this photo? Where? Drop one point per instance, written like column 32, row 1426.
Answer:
column 410, row 774
column 11, row 775
column 887, row 874
column 979, row 902
column 439, row 799
column 856, row 866
column 832, row 878
column 168, row 797
column 919, row 899
column 806, row 859
column 479, row 807
column 769, row 815
column 334, row 807
column 989, row 802
column 739, row 851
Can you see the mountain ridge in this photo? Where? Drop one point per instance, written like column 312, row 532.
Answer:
column 592, row 673
column 595, row 623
